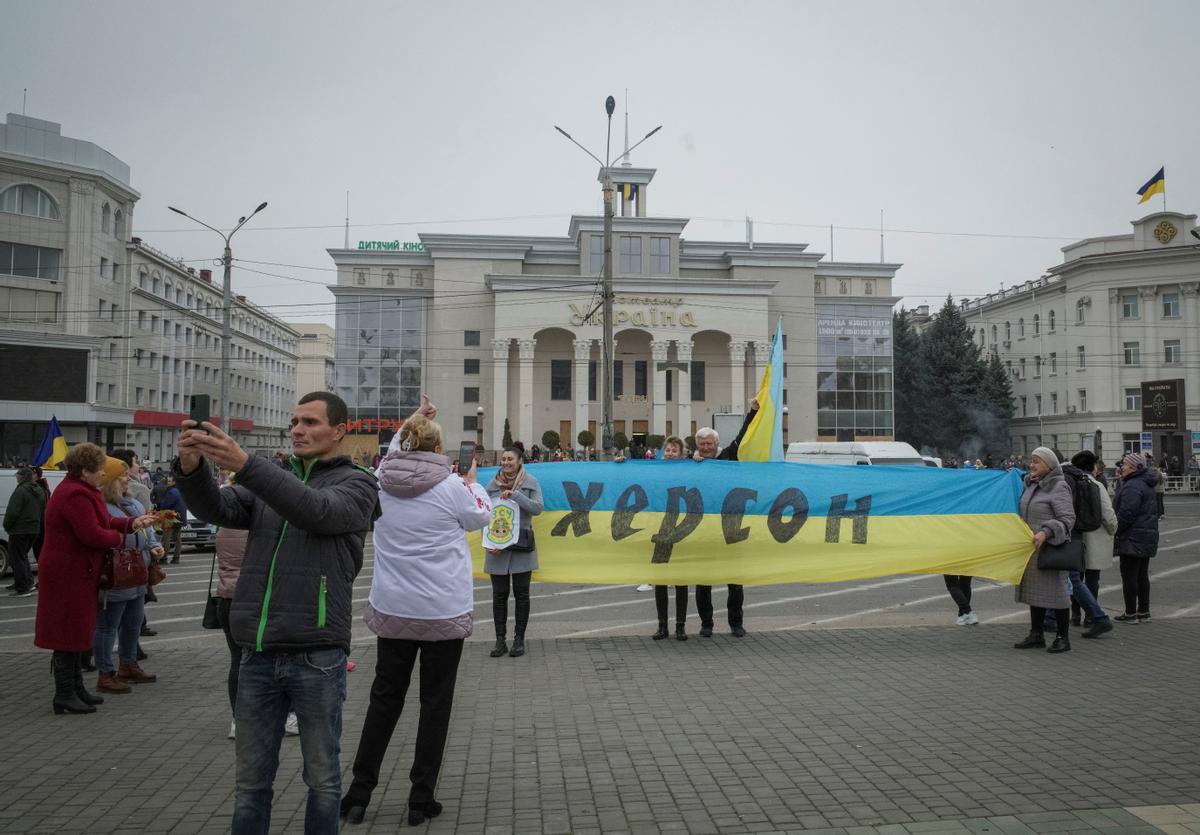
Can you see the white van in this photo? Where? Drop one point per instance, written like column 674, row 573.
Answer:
column 876, row 453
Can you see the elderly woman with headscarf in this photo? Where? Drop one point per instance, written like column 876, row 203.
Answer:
column 1048, row 509
column 1136, row 540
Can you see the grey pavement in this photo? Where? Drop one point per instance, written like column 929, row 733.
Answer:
column 859, row 725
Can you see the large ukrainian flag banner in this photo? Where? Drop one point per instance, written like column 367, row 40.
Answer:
column 711, row 522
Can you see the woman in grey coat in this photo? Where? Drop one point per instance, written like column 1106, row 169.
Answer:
column 1049, row 510
column 511, row 567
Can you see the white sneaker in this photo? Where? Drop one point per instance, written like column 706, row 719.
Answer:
column 292, row 728
column 961, row 620
column 232, row 729
column 645, row 587
column 971, row 618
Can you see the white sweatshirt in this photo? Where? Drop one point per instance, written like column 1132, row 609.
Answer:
column 422, row 563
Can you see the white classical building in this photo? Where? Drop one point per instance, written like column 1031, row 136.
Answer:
column 103, row 331
column 509, row 324
column 1080, row 341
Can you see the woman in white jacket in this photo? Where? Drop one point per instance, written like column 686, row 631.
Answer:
column 421, row 602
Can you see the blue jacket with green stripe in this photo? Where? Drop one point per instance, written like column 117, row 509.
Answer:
column 306, row 529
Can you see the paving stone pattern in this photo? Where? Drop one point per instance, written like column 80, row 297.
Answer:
column 903, row 730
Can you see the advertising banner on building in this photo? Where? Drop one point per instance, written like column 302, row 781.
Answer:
column 1163, row 406
column 711, row 522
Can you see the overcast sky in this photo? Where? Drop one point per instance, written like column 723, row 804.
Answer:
column 990, row 134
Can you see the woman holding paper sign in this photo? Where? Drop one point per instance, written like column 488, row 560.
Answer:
column 511, row 567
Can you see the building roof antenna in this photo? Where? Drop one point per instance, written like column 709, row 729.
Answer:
column 625, row 157
column 346, row 241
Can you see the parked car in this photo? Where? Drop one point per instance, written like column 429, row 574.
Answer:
column 868, row 453
column 198, row 535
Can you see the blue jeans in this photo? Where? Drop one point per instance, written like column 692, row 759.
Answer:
column 313, row 684
column 1082, row 595
column 121, row 620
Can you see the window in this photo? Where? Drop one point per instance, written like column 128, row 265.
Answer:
column 29, row 200
column 1170, row 308
column 1133, row 354
column 592, row 382
column 118, row 225
column 993, row 335
column 1037, row 324
column 1081, row 355
column 390, row 279
column 660, row 256
column 471, row 339
column 112, row 350
column 1024, row 406
column 470, row 366
column 1083, row 400
column 112, row 312
column 1053, row 364
column 103, row 308
column 1054, row 403
column 141, row 280
column 640, row 369
column 29, row 261
column 99, row 392
column 360, row 278
column 1171, row 352
column 670, row 379
column 470, row 423
column 1037, row 399
column 631, row 254
column 1037, row 367
column 1008, row 331
column 785, row 341
column 560, row 379
column 112, row 393
column 595, row 254
column 1129, row 306
column 1051, row 320
column 1080, row 313
column 116, row 271
column 1021, row 328
column 1133, row 399
column 1021, row 376
column 1130, row 442
column 471, row 394
column 104, row 268
column 105, row 219
column 697, row 377
column 139, row 393
column 618, row 378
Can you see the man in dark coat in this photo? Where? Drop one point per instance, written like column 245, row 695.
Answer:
column 708, row 445
column 1136, row 540
column 22, row 522
column 291, row 608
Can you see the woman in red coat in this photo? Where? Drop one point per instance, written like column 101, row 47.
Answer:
column 78, row 532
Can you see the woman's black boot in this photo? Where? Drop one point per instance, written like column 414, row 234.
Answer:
column 1034, row 640
column 662, row 631
column 680, row 632
column 500, row 649
column 353, row 809
column 518, row 647
column 1061, row 644
column 85, row 696
column 65, row 700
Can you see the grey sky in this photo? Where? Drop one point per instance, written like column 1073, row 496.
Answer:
column 1015, row 118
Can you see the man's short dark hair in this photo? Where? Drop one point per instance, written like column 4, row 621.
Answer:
column 336, row 410
column 125, row 455
column 1084, row 460
column 24, row 474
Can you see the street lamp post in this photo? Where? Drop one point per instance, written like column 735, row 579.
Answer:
column 785, row 428
column 606, row 290
column 478, row 429
column 227, row 305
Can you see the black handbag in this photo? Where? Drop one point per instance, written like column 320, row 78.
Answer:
column 1065, row 557
column 525, row 541
column 211, row 621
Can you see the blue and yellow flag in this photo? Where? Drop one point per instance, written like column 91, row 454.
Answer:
column 709, row 522
column 1157, row 185
column 53, row 448
column 629, row 191
column 763, row 440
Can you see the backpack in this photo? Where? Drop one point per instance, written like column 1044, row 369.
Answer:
column 1085, row 493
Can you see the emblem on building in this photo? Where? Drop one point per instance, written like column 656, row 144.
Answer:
column 1165, row 232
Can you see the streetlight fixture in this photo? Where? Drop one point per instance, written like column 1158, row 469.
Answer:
column 785, row 428
column 606, row 363
column 478, row 429
column 226, row 334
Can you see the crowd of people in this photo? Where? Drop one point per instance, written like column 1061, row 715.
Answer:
column 290, row 544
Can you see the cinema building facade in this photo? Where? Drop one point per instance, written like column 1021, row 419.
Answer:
column 505, row 324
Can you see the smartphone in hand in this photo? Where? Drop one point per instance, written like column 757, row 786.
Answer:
column 201, row 410
column 466, row 455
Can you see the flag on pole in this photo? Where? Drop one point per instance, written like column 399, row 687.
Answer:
column 1157, row 185
column 763, row 440
column 53, row 448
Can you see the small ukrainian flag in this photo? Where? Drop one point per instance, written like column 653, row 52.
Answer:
column 1157, row 185
column 629, row 191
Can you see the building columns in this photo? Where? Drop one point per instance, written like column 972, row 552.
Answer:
column 737, row 376
column 762, row 355
column 583, row 353
column 658, row 414
column 525, row 391
column 683, row 389
column 499, row 391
